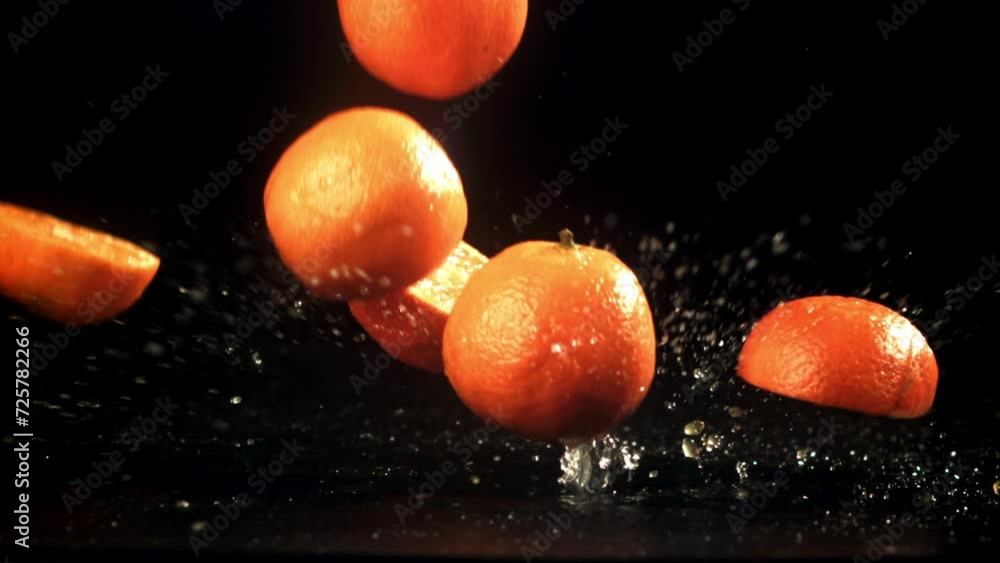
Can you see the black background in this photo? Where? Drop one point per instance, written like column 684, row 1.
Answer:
column 606, row 59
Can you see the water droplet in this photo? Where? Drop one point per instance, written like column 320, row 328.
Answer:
column 654, row 474
column 595, row 465
column 474, row 479
column 741, row 470
column 183, row 504
column 803, row 453
column 154, row 349
column 235, row 400
column 694, row 428
column 736, row 412
column 996, row 488
column 556, row 348
column 690, row 448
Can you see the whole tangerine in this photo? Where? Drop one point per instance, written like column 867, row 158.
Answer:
column 554, row 341
column 436, row 49
column 364, row 203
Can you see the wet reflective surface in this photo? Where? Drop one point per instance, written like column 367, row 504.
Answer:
column 708, row 466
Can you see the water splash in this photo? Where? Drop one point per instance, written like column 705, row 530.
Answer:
column 594, row 466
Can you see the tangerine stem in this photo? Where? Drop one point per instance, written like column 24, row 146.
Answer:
column 566, row 239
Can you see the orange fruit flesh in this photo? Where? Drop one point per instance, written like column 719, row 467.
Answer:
column 66, row 272
column 409, row 324
column 842, row 352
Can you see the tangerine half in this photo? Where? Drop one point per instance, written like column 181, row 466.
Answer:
column 66, row 272
column 409, row 324
column 842, row 352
